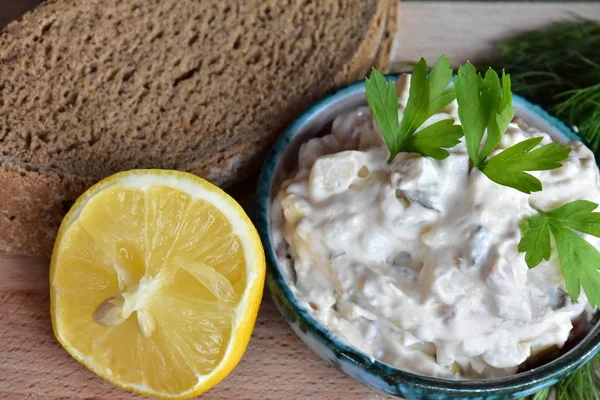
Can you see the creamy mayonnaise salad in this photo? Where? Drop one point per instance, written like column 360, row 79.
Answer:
column 415, row 263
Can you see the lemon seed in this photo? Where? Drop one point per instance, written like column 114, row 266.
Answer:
column 146, row 323
column 108, row 313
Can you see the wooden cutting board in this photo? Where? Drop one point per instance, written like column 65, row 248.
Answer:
column 277, row 365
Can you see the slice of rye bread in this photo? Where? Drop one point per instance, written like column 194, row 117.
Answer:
column 383, row 61
column 90, row 87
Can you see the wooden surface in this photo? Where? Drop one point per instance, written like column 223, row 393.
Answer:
column 277, row 365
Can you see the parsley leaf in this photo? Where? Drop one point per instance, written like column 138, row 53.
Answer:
column 433, row 140
column 508, row 167
column 472, row 114
column 482, row 105
column 485, row 111
column 535, row 241
column 579, row 260
column 383, row 101
column 499, row 121
column 427, row 95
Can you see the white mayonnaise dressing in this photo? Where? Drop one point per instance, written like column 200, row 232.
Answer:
column 415, row 263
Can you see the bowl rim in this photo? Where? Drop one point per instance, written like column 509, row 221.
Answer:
column 582, row 352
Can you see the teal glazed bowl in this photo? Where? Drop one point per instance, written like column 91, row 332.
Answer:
column 334, row 349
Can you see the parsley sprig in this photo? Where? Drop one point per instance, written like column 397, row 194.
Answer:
column 482, row 105
column 579, row 260
column 508, row 167
column 485, row 110
column 428, row 94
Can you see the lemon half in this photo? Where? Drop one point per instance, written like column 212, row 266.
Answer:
column 156, row 280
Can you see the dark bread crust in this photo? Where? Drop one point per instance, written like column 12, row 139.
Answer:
column 26, row 237
column 363, row 59
column 33, row 205
column 90, row 87
column 383, row 58
column 32, row 196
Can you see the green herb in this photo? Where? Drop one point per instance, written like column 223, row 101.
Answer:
column 543, row 394
column 581, row 108
column 432, row 140
column 428, row 94
column 559, row 68
column 579, row 260
column 583, row 384
column 580, row 263
column 484, row 107
column 508, row 168
column 383, row 100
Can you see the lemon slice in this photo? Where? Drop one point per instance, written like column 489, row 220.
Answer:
column 156, row 279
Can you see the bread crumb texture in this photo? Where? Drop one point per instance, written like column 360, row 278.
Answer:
column 92, row 87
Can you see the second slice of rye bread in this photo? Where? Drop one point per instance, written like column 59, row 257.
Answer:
column 91, row 87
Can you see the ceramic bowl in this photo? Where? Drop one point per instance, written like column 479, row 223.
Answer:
column 333, row 348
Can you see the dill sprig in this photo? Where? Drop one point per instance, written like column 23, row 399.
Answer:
column 559, row 68
column 581, row 107
column 584, row 384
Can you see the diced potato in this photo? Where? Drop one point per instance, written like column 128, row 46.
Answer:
column 334, row 173
column 294, row 208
